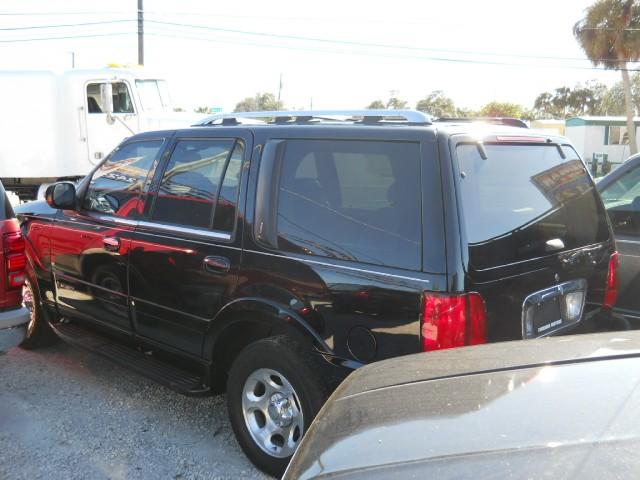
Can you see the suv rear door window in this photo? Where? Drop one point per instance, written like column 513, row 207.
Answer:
column 352, row 200
column 526, row 201
column 191, row 183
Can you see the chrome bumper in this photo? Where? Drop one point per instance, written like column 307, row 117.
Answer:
column 13, row 327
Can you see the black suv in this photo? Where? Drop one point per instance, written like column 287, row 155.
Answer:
column 269, row 258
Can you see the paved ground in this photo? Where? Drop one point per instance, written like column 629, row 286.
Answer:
column 69, row 414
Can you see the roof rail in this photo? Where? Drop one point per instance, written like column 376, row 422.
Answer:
column 369, row 117
column 512, row 122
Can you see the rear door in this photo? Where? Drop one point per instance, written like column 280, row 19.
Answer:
column 339, row 235
column 90, row 247
column 185, row 255
column 533, row 222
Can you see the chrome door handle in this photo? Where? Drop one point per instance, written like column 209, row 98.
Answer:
column 217, row 264
column 111, row 244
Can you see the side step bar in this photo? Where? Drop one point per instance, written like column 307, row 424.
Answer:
column 162, row 372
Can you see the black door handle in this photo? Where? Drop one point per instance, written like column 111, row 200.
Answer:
column 217, row 264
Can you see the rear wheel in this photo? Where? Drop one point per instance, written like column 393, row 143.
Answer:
column 273, row 394
column 39, row 333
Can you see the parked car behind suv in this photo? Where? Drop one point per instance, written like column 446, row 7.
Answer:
column 620, row 191
column 271, row 259
column 14, row 317
column 484, row 412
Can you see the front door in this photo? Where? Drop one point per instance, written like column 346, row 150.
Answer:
column 185, row 254
column 90, row 247
column 105, row 132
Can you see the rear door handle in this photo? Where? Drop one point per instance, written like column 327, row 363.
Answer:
column 111, row 244
column 217, row 264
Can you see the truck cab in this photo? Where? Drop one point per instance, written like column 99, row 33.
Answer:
column 81, row 116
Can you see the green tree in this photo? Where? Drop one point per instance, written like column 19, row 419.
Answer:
column 376, row 105
column 613, row 99
column 259, row 103
column 501, row 109
column 437, row 104
column 465, row 112
column 609, row 34
column 202, row 110
column 566, row 102
column 395, row 103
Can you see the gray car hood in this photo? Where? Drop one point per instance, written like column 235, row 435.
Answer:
column 566, row 407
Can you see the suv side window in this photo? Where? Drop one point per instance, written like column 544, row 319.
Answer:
column 116, row 186
column 352, row 200
column 194, row 190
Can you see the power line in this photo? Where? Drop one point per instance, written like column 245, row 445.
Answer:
column 61, row 13
column 360, row 44
column 70, row 37
column 64, row 25
column 383, row 55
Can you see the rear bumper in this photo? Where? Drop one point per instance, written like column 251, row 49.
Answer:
column 13, row 327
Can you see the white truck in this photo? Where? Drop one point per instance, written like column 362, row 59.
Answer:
column 59, row 125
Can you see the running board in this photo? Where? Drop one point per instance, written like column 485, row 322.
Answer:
column 162, row 372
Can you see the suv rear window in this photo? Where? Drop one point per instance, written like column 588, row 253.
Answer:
column 352, row 200
column 522, row 199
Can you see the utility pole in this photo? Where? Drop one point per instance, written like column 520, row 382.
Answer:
column 73, row 59
column 140, row 33
column 279, row 91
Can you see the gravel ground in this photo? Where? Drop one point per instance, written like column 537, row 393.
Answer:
column 70, row 414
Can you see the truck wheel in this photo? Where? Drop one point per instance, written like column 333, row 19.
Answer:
column 273, row 394
column 39, row 333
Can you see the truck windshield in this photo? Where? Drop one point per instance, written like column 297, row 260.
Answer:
column 526, row 201
column 154, row 95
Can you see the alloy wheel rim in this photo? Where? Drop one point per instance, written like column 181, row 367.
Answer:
column 27, row 299
column 272, row 412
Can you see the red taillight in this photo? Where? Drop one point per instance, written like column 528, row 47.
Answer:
column 611, row 289
column 15, row 259
column 452, row 321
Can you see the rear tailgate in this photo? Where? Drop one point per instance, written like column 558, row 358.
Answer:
column 533, row 222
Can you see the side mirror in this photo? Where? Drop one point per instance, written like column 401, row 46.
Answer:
column 106, row 98
column 61, row 195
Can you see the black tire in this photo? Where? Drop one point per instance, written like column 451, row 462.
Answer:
column 299, row 367
column 39, row 333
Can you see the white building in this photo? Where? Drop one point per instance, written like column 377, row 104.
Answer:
column 600, row 135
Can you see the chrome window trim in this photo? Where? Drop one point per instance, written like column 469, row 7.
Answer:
column 344, row 267
column 632, row 242
column 165, row 227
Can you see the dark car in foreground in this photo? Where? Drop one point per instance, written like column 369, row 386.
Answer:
column 620, row 191
column 557, row 408
column 14, row 317
column 269, row 259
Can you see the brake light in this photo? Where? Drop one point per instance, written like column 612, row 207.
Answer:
column 520, row 139
column 15, row 259
column 611, row 289
column 452, row 321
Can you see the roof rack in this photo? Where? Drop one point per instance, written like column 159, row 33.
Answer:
column 305, row 117
column 512, row 122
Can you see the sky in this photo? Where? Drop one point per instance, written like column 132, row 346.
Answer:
column 331, row 54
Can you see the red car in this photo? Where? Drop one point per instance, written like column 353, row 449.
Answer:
column 14, row 317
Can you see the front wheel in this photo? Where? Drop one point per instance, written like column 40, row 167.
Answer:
column 273, row 394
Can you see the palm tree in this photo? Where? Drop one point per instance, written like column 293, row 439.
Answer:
column 609, row 34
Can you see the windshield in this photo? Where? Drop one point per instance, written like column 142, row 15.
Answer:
column 154, row 95
column 526, row 201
